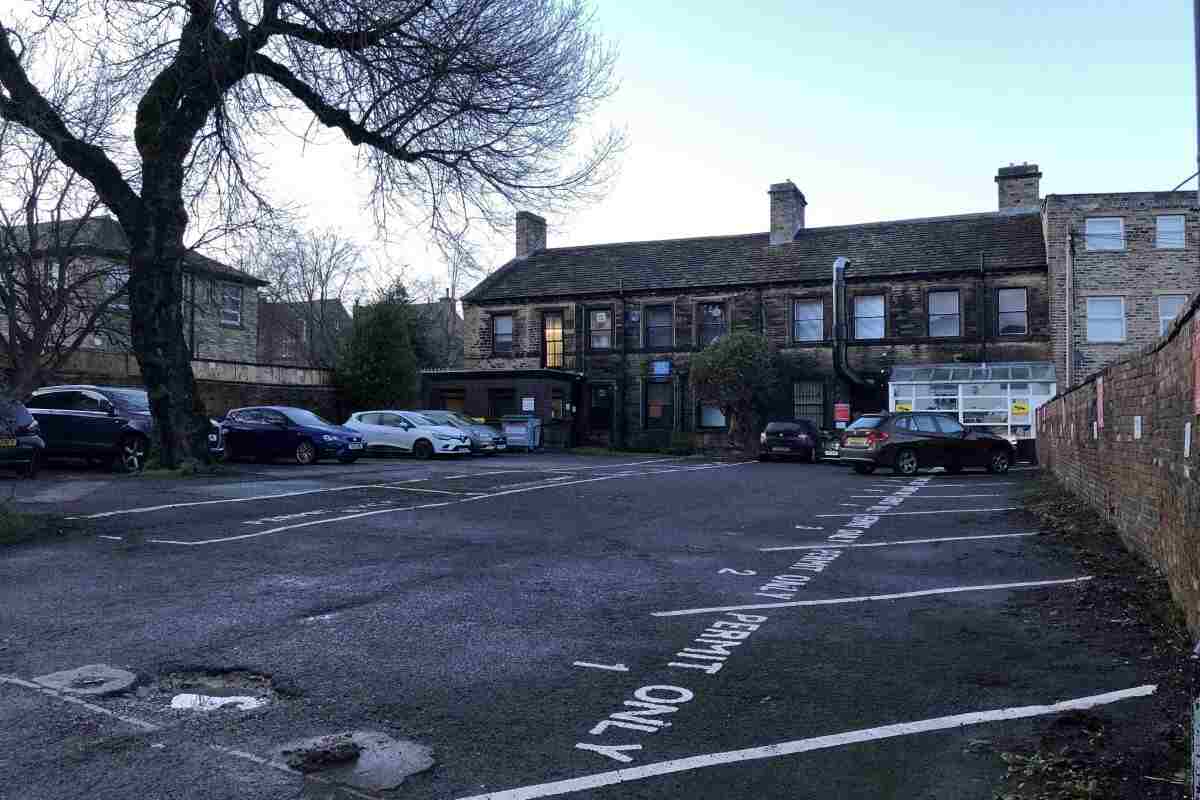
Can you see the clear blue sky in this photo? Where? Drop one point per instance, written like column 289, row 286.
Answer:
column 880, row 111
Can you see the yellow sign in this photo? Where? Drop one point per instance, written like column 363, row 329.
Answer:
column 904, row 406
column 1020, row 408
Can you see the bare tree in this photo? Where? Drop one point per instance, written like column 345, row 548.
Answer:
column 461, row 108
column 312, row 275
column 58, row 289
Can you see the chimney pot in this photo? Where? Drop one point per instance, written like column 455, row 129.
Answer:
column 1018, row 187
column 531, row 234
column 787, row 211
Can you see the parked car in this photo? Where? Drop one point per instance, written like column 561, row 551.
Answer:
column 21, row 446
column 107, row 425
column 408, row 432
column 794, row 438
column 484, row 438
column 910, row 441
column 268, row 432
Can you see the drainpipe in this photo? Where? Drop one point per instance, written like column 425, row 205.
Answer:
column 841, row 366
column 983, row 309
column 1070, row 300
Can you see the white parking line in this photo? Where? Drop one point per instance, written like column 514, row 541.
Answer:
column 46, row 690
column 939, row 511
column 830, row 545
column 927, row 496
column 147, row 509
column 426, row 491
column 687, row 612
column 457, row 501
column 796, row 746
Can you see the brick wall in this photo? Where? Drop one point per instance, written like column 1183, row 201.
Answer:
column 1145, row 485
column 1139, row 273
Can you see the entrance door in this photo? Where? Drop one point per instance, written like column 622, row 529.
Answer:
column 600, row 411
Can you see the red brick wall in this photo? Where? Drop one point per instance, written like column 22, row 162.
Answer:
column 1146, row 486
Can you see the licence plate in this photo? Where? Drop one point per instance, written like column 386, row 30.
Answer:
column 856, row 442
column 356, row 446
column 8, row 442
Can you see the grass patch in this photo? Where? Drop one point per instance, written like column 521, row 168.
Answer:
column 18, row 527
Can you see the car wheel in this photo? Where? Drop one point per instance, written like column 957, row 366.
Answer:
column 131, row 457
column 864, row 469
column 999, row 462
column 306, row 453
column 906, row 463
column 423, row 449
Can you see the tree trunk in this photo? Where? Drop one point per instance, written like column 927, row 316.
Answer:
column 156, row 327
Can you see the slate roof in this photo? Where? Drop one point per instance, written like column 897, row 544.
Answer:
column 1007, row 241
column 105, row 236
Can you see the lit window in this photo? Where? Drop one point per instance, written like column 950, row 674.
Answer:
column 552, row 335
column 1169, row 306
column 600, row 329
column 1104, row 233
column 808, row 321
column 943, row 314
column 1013, row 305
column 868, row 317
column 1168, row 232
column 502, row 333
column 712, row 322
column 1106, row 319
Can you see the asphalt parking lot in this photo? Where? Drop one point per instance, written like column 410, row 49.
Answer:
column 549, row 625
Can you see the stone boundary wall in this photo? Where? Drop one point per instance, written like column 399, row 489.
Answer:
column 1126, row 441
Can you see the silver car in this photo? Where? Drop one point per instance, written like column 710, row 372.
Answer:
column 484, row 438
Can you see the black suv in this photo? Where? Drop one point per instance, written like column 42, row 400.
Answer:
column 104, row 424
column 909, row 441
column 790, row 438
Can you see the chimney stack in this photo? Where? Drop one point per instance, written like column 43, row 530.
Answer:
column 787, row 211
column 531, row 234
column 1018, row 187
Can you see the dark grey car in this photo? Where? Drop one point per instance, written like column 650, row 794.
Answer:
column 107, row 425
column 910, row 441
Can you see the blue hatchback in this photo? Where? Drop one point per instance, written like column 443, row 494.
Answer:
column 269, row 432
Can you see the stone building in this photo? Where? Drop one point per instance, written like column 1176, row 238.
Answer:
column 597, row 339
column 1121, row 266
column 302, row 333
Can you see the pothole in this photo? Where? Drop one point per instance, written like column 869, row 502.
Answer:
column 366, row 760
column 91, row 680
column 238, row 690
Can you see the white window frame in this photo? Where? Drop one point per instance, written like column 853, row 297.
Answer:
column 1024, row 310
column 1164, row 323
column 957, row 314
column 227, row 318
column 808, row 302
column 882, row 317
column 1091, row 316
column 1103, row 240
column 1158, row 232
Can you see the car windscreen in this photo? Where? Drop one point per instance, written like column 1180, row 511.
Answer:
column 864, row 423
column 302, row 417
column 131, row 399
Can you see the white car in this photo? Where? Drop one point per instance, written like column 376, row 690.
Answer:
column 407, row 432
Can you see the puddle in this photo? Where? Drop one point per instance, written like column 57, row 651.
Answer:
column 205, row 702
column 366, row 760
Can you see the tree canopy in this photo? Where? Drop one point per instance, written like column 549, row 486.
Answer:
column 736, row 373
